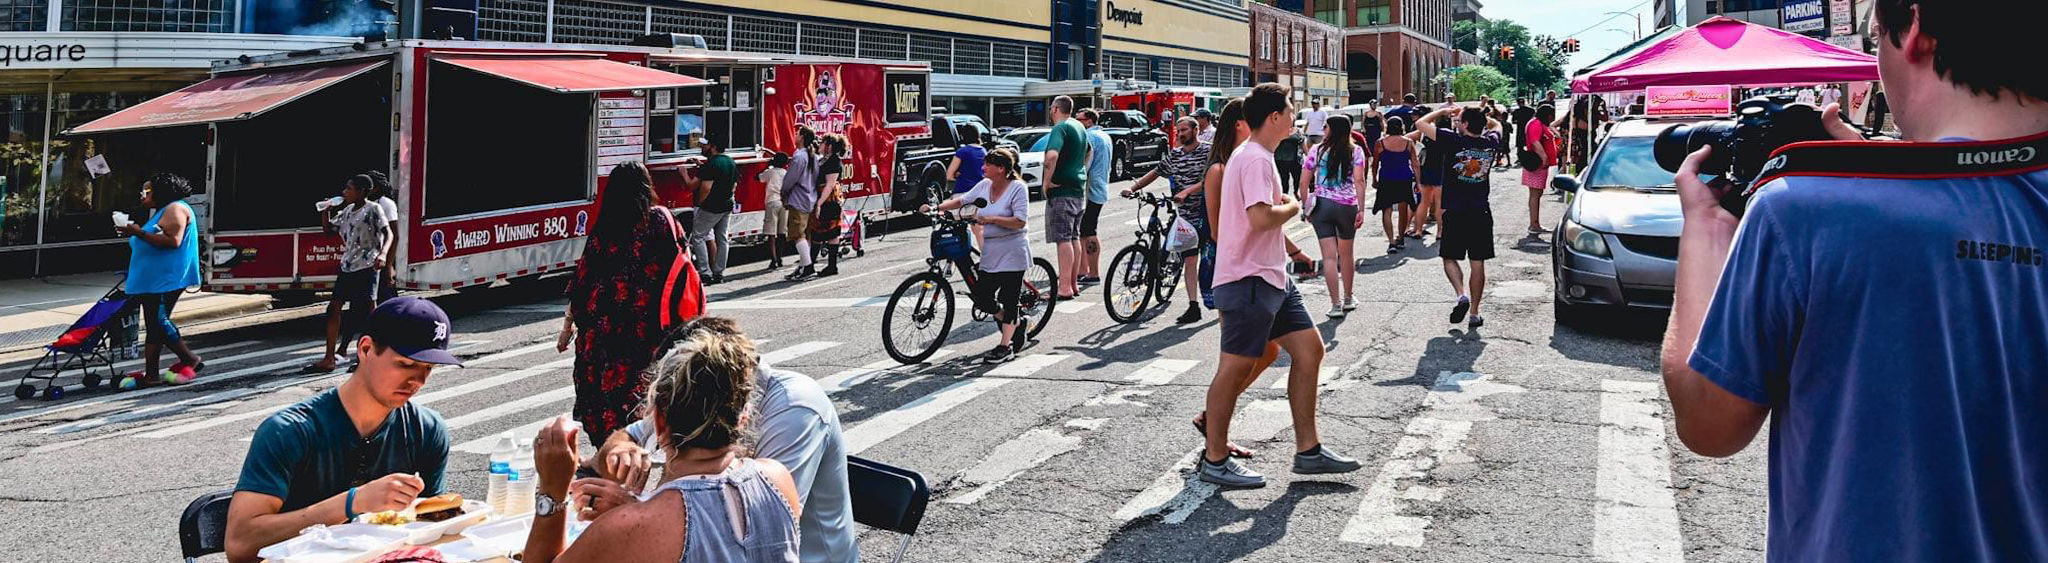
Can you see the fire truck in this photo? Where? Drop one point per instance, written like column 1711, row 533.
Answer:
column 498, row 152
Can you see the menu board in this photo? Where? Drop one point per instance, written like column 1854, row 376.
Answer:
column 621, row 134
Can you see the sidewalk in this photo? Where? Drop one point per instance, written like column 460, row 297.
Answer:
column 33, row 312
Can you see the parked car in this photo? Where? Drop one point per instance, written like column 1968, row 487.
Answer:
column 1617, row 242
column 1031, row 154
column 1139, row 144
column 921, row 166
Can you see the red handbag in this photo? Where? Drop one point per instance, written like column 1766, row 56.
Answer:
column 682, row 295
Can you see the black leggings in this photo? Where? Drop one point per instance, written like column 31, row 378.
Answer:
column 156, row 315
column 1003, row 287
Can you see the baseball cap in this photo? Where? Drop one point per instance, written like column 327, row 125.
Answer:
column 1204, row 112
column 416, row 328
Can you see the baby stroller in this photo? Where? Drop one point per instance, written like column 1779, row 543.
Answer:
column 845, row 240
column 82, row 347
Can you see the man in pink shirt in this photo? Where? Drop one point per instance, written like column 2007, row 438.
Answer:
column 1255, row 301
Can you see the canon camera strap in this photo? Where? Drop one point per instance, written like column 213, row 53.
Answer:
column 1912, row 160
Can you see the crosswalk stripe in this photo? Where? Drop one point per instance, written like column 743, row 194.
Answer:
column 1323, row 376
column 125, row 366
column 140, row 393
column 1071, row 307
column 847, row 379
column 797, row 351
column 96, row 422
column 1176, row 493
column 176, row 428
column 1637, row 518
column 482, row 446
column 562, row 393
column 1449, row 410
column 1035, row 446
column 887, row 425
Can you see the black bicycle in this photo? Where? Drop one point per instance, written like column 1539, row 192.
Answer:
column 920, row 312
column 1143, row 276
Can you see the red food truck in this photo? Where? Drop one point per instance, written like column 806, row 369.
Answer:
column 497, row 151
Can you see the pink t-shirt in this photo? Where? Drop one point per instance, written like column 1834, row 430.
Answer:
column 1249, row 178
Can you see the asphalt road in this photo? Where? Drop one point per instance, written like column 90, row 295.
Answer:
column 1520, row 441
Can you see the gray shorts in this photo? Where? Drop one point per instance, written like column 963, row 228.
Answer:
column 1063, row 218
column 1334, row 220
column 1253, row 312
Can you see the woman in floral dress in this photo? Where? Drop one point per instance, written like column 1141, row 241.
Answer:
column 614, row 310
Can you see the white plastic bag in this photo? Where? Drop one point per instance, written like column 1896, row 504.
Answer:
column 1182, row 237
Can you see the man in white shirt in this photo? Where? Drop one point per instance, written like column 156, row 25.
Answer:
column 1207, row 121
column 1316, row 121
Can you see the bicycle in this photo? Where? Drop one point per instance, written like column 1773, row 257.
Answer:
column 1145, row 270
column 927, row 316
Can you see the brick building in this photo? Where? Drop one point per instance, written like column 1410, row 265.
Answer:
column 1302, row 52
column 1392, row 47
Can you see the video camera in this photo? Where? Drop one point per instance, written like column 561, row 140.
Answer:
column 1743, row 146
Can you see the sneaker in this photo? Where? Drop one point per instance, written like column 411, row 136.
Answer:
column 1350, row 304
column 801, row 272
column 1021, row 336
column 1458, row 311
column 1194, row 314
column 1088, row 280
column 1002, row 353
column 1229, row 473
column 179, row 375
column 1475, row 322
column 1321, row 460
column 1336, row 312
column 1393, row 249
column 132, row 381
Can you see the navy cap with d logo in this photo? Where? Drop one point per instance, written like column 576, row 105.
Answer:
column 415, row 328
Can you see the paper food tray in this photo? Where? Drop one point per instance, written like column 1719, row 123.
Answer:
column 315, row 544
column 422, row 533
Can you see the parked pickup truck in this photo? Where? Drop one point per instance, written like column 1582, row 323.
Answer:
column 1139, row 144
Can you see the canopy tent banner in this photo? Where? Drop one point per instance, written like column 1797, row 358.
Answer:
column 227, row 98
column 1726, row 51
column 1687, row 100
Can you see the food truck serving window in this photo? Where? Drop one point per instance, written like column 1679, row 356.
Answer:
column 525, row 147
column 727, row 111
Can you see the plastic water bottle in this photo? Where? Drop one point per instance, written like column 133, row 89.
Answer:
column 525, row 480
column 500, row 492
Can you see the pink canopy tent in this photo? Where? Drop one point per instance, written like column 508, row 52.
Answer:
column 1732, row 52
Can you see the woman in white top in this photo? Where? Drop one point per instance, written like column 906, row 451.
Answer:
column 1005, row 251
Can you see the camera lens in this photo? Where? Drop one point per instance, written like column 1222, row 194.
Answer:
column 1678, row 141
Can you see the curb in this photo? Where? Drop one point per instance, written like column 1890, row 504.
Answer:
column 189, row 317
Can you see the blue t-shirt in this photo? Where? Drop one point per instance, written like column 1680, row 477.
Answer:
column 1898, row 330
column 311, row 451
column 971, row 157
column 1099, row 153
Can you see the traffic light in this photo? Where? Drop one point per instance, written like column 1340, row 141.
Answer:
column 1571, row 45
column 1507, row 53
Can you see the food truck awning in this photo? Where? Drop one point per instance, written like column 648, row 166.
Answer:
column 571, row 74
column 226, row 98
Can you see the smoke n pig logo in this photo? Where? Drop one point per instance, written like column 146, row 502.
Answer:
column 826, row 113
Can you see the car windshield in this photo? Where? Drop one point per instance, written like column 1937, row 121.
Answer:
column 1628, row 162
column 1025, row 139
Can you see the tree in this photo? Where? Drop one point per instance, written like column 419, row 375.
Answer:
column 1471, row 81
column 1465, row 35
column 1537, row 64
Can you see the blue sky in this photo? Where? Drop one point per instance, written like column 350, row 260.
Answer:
column 1560, row 17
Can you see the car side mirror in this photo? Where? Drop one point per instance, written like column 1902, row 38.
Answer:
column 1565, row 182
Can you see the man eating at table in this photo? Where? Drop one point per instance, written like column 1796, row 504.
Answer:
column 358, row 448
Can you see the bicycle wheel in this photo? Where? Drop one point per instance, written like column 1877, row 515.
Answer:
column 1035, row 299
column 1168, row 279
column 919, row 315
column 1129, row 284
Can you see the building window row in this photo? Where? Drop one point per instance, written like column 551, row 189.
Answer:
column 197, row 16
column 601, row 22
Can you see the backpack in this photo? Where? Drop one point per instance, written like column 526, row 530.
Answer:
column 682, row 294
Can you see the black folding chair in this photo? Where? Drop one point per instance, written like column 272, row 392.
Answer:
column 887, row 497
column 203, row 528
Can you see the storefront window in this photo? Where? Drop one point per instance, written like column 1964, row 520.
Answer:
column 21, row 154
column 1330, row 11
column 1019, row 114
column 79, row 201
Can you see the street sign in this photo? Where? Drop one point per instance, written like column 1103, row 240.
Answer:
column 1852, row 41
column 1841, row 17
column 1802, row 16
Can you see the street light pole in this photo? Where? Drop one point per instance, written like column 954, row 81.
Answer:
column 1639, row 21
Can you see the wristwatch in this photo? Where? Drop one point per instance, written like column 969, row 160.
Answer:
column 545, row 506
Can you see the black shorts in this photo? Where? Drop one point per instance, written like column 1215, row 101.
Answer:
column 1466, row 234
column 1089, row 215
column 1334, row 220
column 1253, row 313
column 1392, row 193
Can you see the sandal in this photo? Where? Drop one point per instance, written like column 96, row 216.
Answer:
column 180, row 375
column 134, row 380
column 1236, row 451
column 315, row 369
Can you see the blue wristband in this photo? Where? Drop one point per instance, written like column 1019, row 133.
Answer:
column 348, row 507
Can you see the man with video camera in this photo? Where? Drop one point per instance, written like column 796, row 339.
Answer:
column 1889, row 315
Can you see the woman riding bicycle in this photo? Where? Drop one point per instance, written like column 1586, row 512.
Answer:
column 1005, row 251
